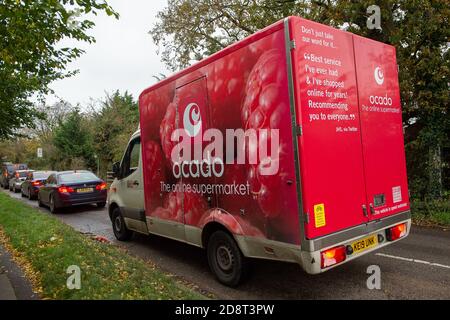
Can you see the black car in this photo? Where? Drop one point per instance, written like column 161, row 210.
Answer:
column 71, row 188
column 34, row 181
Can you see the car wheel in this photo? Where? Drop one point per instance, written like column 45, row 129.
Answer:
column 52, row 205
column 101, row 204
column 15, row 190
column 226, row 260
column 121, row 232
column 30, row 196
column 40, row 204
column 10, row 188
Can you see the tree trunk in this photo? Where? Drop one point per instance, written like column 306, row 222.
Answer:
column 435, row 172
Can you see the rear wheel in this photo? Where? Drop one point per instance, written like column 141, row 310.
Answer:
column 226, row 259
column 101, row 204
column 52, row 205
column 30, row 195
column 40, row 204
column 121, row 231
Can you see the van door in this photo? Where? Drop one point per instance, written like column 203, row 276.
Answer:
column 333, row 188
column 130, row 186
column 381, row 128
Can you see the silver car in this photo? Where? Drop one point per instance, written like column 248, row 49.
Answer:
column 19, row 176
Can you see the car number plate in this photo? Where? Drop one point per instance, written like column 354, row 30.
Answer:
column 85, row 190
column 364, row 244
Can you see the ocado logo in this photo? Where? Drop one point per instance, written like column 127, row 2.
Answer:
column 192, row 120
column 379, row 76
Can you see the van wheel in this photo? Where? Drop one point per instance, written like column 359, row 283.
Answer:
column 226, row 260
column 121, row 231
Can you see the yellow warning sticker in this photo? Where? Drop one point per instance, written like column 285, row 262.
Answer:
column 319, row 215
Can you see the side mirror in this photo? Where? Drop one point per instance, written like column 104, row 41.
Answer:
column 116, row 169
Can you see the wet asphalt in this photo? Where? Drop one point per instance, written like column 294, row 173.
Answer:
column 417, row 267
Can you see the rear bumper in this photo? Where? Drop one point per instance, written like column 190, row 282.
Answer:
column 308, row 254
column 68, row 201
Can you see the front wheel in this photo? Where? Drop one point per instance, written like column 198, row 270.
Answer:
column 121, row 232
column 226, row 259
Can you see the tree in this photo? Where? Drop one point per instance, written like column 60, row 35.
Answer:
column 190, row 30
column 74, row 143
column 30, row 58
column 112, row 126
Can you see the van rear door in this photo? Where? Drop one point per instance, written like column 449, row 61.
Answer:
column 333, row 188
column 381, row 128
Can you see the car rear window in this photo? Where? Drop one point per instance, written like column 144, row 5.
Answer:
column 41, row 175
column 77, row 177
column 22, row 174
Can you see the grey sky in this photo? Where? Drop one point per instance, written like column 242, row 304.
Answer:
column 124, row 56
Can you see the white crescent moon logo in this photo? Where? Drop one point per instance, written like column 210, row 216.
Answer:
column 379, row 76
column 192, row 121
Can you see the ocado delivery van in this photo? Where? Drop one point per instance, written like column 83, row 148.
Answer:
column 287, row 145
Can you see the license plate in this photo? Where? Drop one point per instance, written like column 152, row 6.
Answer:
column 364, row 244
column 85, row 190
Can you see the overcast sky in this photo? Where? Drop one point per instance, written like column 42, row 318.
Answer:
column 124, row 56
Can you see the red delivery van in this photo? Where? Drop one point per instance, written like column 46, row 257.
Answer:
column 287, row 145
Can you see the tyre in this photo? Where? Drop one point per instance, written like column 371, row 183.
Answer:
column 40, row 204
column 121, row 232
column 101, row 204
column 15, row 190
column 52, row 205
column 225, row 259
column 30, row 196
column 10, row 189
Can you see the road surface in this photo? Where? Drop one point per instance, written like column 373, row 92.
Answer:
column 415, row 268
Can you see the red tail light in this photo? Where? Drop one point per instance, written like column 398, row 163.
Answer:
column 64, row 189
column 101, row 186
column 332, row 256
column 36, row 183
column 396, row 232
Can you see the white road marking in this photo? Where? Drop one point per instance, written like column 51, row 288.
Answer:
column 413, row 260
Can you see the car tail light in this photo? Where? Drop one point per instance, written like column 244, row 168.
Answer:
column 101, row 186
column 36, row 183
column 332, row 256
column 64, row 189
column 396, row 232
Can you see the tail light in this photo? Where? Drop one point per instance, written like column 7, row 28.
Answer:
column 396, row 232
column 332, row 256
column 36, row 183
column 101, row 186
column 64, row 189
column 17, row 175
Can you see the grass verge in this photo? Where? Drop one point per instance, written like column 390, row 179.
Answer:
column 431, row 213
column 46, row 247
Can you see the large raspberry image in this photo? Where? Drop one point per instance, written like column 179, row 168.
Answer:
column 266, row 110
column 176, row 202
column 154, row 105
column 226, row 83
column 168, row 125
column 155, row 173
